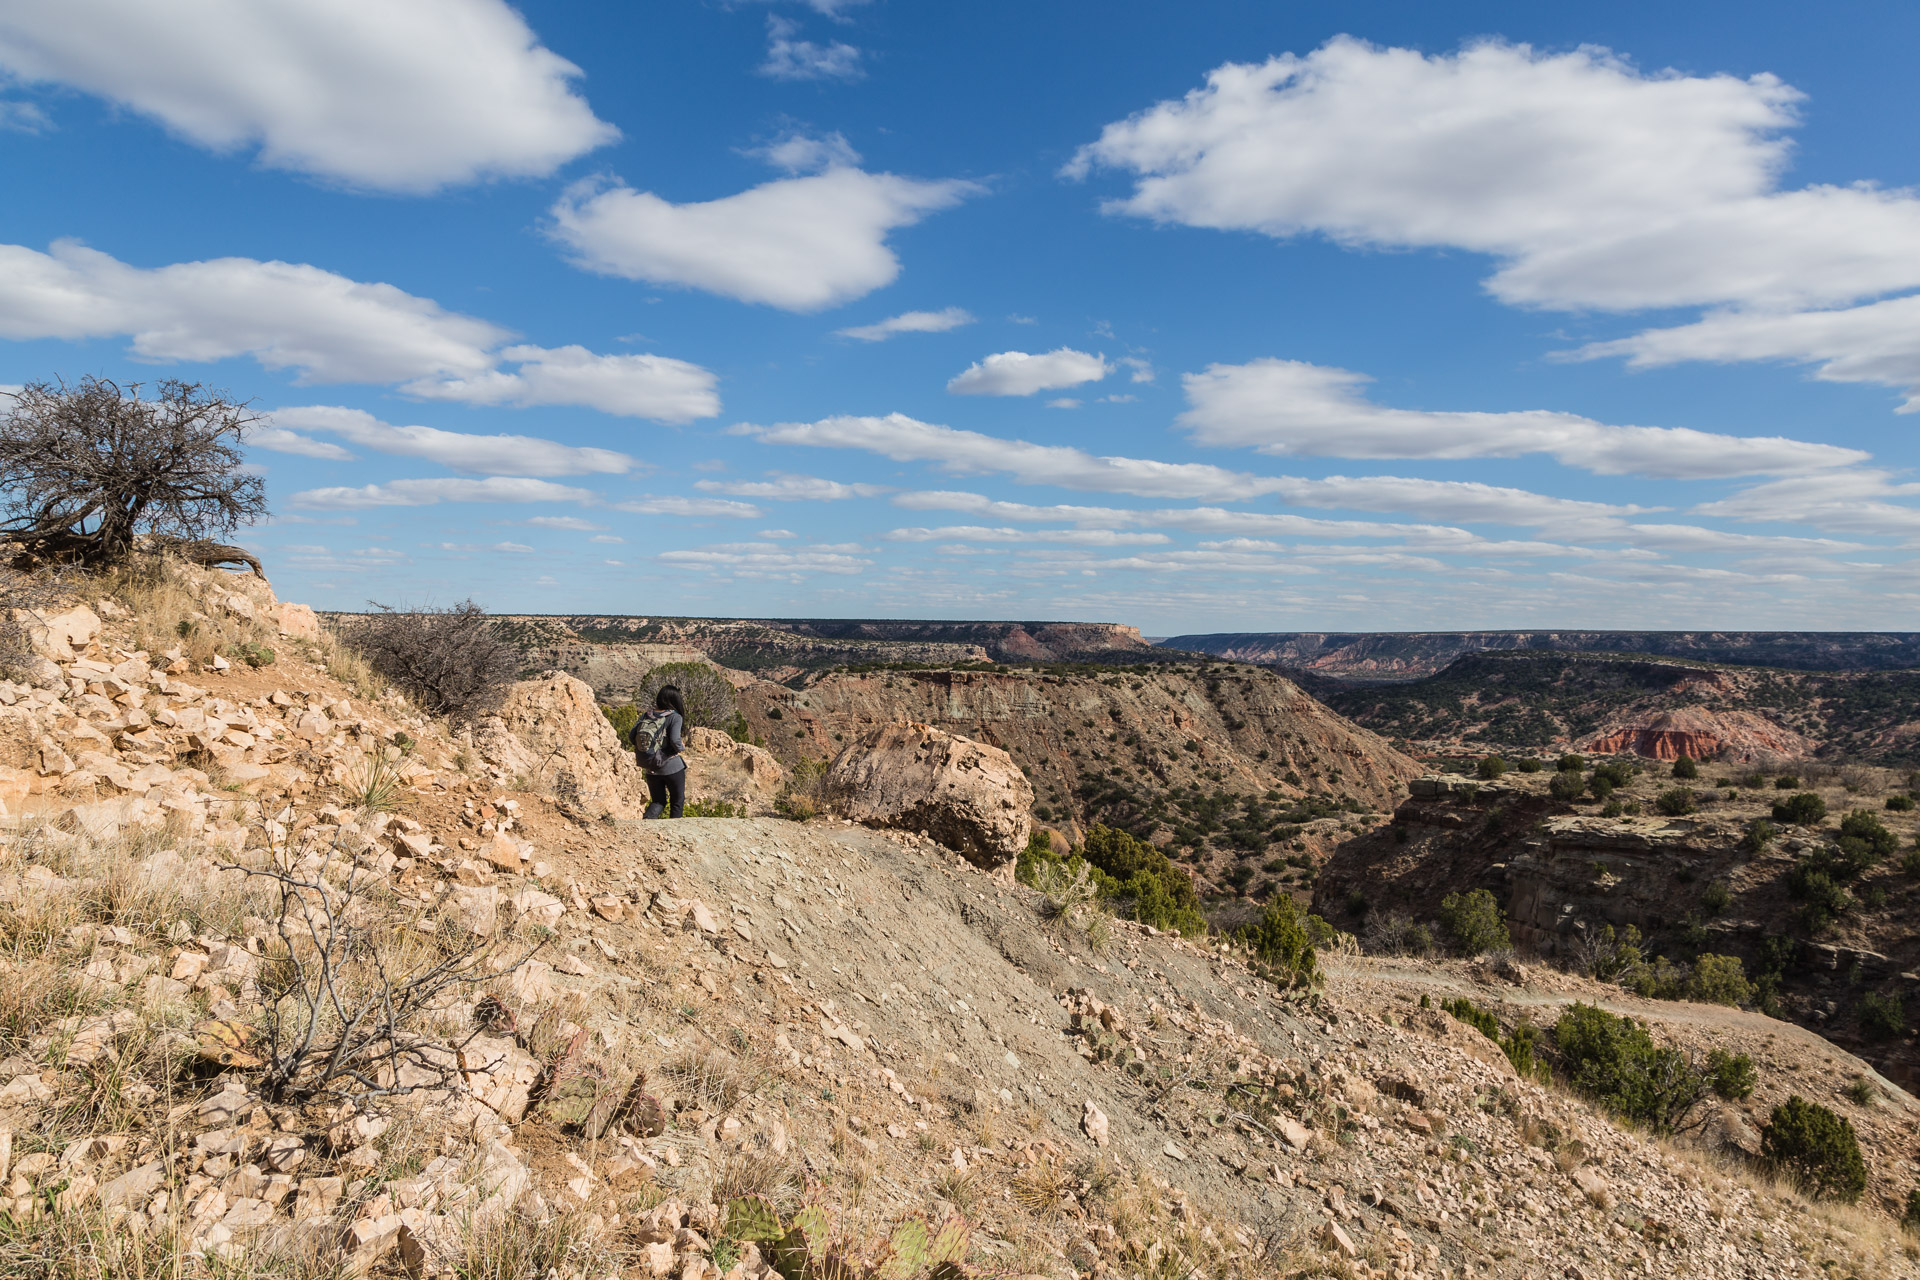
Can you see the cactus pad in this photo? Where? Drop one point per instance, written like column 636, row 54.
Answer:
column 752, row 1218
column 949, row 1244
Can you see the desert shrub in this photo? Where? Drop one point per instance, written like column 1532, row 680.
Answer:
column 1822, row 901
column 449, row 661
column 709, row 697
column 1605, row 954
column 806, row 793
column 1397, row 934
column 1617, row 773
column 1279, row 940
column 1760, row 833
column 1474, row 922
column 1910, row 864
column 1861, row 1092
column 1716, row 898
column 1613, row 809
column 1802, row 809
column 1732, row 1075
column 1911, row 1218
column 1144, row 883
column 1719, row 980
column 1530, row 765
column 1817, row 1149
column 1675, row 802
column 1661, row 979
column 1490, row 768
column 713, row 809
column 1881, row 1017
column 1571, row 763
column 1601, row 787
column 1566, row 786
column 1684, row 767
column 1865, row 826
column 29, row 593
column 1519, row 1046
column 1614, row 1061
column 1787, row 782
column 1900, row 804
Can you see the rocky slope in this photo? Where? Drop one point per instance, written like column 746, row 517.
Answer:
column 1405, row 655
column 820, row 1013
column 1561, row 872
column 1656, row 707
column 1175, row 754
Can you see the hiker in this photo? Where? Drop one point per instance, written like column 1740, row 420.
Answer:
column 656, row 741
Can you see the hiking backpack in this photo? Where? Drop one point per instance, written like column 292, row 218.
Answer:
column 648, row 738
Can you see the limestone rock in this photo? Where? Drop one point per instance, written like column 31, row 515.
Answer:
column 550, row 730
column 969, row 796
column 1093, row 1121
column 299, row 622
column 739, row 773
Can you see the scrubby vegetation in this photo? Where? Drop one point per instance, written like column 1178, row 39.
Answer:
column 1474, row 923
column 1817, row 1149
column 449, row 661
column 1135, row 879
column 1615, row 1061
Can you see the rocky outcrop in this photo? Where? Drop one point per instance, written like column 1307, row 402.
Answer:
column 550, row 731
column 968, row 796
column 736, row 773
column 1702, row 734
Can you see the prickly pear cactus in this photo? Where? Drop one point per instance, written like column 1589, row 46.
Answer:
column 796, row 1253
column 949, row 1244
column 752, row 1218
column 906, row 1252
column 950, row 1271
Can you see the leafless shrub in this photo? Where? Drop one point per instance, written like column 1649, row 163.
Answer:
column 1395, row 933
column 89, row 468
column 450, row 662
column 349, row 988
column 758, row 1172
column 31, row 594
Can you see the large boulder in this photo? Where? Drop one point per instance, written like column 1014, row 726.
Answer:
column 969, row 796
column 550, row 731
column 719, row 768
column 59, row 636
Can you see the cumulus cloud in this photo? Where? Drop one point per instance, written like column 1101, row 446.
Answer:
column 768, row 559
column 281, row 440
column 798, row 152
column 1593, row 185
column 1059, row 537
column 396, row 95
column 1877, row 343
column 428, row 493
column 799, row 244
column 691, row 507
column 572, row 523
column 456, row 450
column 1287, row 407
column 327, row 328
column 909, row 322
column 633, row 386
column 789, row 58
column 1015, row 373
column 1862, row 501
column 792, row 488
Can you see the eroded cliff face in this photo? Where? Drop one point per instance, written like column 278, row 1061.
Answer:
column 1701, row 734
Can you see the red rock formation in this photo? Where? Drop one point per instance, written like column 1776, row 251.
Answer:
column 1702, row 734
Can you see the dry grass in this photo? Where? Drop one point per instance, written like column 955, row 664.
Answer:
column 759, row 1173
column 521, row 1245
column 83, row 1246
column 167, row 612
column 717, row 1079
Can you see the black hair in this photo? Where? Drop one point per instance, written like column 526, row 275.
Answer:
column 669, row 699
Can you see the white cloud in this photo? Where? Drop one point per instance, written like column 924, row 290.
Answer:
column 1063, row 402
column 1876, row 343
column 778, row 533
column 573, row 524
column 792, row 488
column 1062, row 537
column 23, row 117
column 791, row 59
column 910, row 322
column 398, row 95
column 1593, row 185
column 327, row 328
column 428, row 493
column 1857, row 501
column 1142, row 370
column 795, row 243
column 459, row 451
column 1015, row 373
column 281, row 440
column 767, row 559
column 798, row 152
column 515, row 548
column 614, row 539
column 691, row 507
column 633, row 386
column 1287, row 407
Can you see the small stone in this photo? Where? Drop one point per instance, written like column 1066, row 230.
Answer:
column 1093, row 1122
column 1174, row 1151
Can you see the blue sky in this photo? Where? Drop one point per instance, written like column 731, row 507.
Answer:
column 1216, row 316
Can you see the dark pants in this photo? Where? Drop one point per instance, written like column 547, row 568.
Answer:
column 661, row 786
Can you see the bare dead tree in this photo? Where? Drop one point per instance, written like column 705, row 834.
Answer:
column 88, row 469
column 451, row 661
